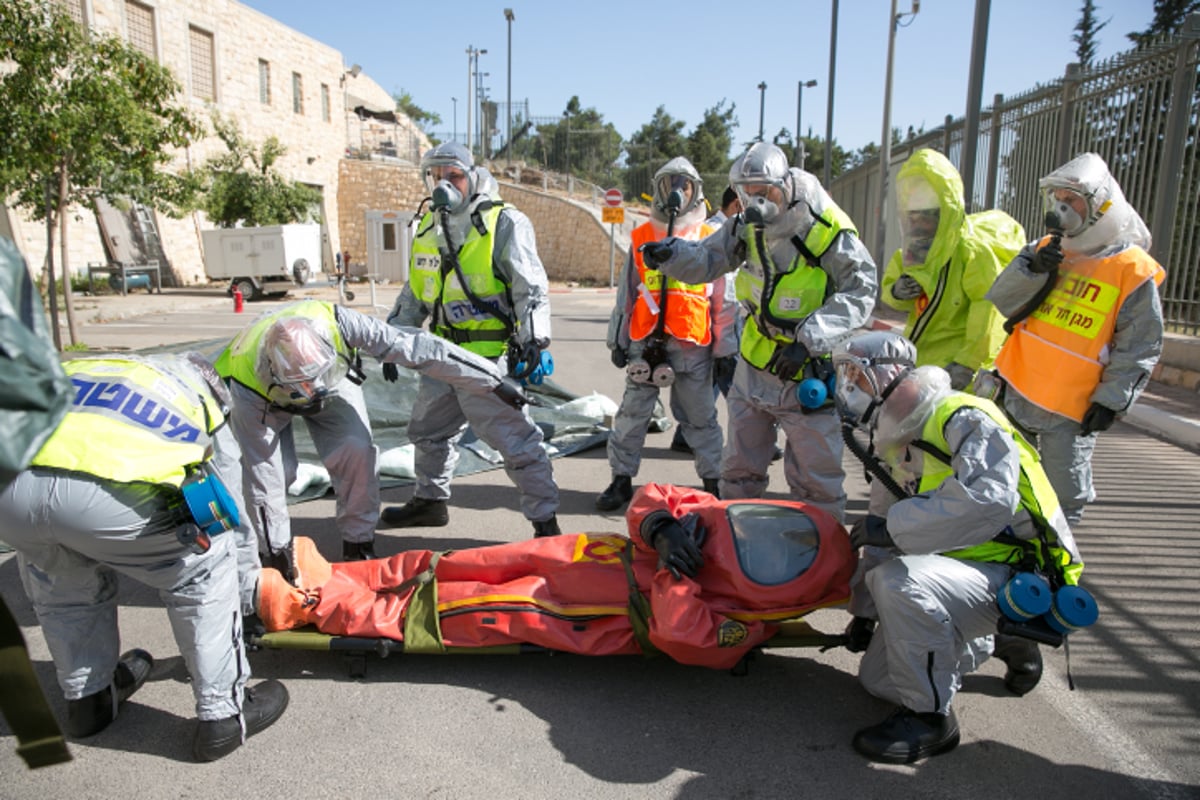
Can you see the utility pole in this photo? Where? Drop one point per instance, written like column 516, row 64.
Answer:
column 885, row 147
column 762, row 106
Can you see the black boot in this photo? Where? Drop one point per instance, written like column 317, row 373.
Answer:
column 358, row 551
column 264, row 704
column 417, row 513
column 858, row 634
column 548, row 527
column 618, row 493
column 678, row 443
column 713, row 486
column 89, row 715
column 907, row 736
column 1024, row 662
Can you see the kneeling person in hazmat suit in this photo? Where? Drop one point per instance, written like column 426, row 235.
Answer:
column 961, row 503
column 141, row 478
column 699, row 579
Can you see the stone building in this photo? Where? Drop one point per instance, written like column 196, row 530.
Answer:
column 267, row 77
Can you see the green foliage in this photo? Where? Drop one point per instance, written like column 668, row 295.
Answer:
column 1169, row 16
column 242, row 185
column 1086, row 30
column 87, row 108
column 422, row 118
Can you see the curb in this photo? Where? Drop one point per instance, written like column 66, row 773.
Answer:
column 1169, row 427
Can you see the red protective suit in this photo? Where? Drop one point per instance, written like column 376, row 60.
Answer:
column 573, row 593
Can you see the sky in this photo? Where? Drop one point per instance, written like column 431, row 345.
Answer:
column 627, row 57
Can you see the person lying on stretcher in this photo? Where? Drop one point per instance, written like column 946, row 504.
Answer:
column 700, row 579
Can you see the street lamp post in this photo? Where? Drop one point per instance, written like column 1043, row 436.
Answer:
column 885, row 145
column 481, row 124
column 351, row 73
column 509, row 16
column 567, row 125
column 800, row 154
column 762, row 106
column 454, row 136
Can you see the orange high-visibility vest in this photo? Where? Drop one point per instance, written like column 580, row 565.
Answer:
column 687, row 303
column 1056, row 356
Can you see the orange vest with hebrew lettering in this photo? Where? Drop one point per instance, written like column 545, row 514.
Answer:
column 687, row 303
column 1056, row 356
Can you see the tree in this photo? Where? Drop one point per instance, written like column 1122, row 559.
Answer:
column 653, row 145
column 582, row 143
column 423, row 119
column 1169, row 16
column 708, row 144
column 1085, row 33
column 83, row 116
column 242, row 185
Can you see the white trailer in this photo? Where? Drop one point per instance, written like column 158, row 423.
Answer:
column 263, row 261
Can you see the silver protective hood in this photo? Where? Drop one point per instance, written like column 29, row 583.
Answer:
column 1104, row 220
column 678, row 175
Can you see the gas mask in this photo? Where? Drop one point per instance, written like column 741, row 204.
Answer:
column 1063, row 211
column 446, row 197
column 868, row 367
column 920, row 213
column 758, row 210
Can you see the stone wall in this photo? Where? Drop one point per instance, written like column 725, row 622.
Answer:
column 572, row 241
column 372, row 186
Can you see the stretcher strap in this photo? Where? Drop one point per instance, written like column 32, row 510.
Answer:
column 639, row 606
column 40, row 742
column 422, row 627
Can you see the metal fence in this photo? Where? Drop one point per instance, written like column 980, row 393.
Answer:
column 1139, row 110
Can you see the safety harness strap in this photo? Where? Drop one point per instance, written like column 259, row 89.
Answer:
column 422, row 626
column 639, row 605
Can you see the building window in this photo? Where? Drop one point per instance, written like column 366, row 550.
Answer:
column 297, row 93
column 200, row 46
column 325, row 102
column 139, row 28
column 264, row 82
column 74, row 10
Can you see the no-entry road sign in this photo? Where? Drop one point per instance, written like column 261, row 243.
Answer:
column 613, row 197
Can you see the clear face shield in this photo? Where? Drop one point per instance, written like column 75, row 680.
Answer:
column 856, row 391
column 303, row 366
column 920, row 213
column 761, row 202
column 448, row 185
column 775, row 544
column 675, row 194
column 1067, row 210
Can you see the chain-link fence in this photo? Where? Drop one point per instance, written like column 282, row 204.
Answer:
column 1139, row 110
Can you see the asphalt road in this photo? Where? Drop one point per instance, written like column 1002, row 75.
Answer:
column 563, row 726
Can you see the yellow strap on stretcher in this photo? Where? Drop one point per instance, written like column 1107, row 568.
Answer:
column 422, row 626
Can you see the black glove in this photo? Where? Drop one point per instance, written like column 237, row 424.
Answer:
column 1097, row 418
column 655, row 253
column 906, row 288
column 391, row 373
column 960, row 375
column 527, row 362
column 723, row 369
column 1048, row 258
column 789, row 361
column 619, row 357
column 871, row 532
column 510, row 392
column 677, row 542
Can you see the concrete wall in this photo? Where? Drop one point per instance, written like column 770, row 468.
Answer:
column 372, row 186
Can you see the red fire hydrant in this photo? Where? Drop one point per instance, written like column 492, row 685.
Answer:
column 238, row 301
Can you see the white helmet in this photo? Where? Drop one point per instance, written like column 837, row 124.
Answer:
column 762, row 179
column 301, row 364
column 438, row 165
column 868, row 368
column 677, row 184
column 1084, row 202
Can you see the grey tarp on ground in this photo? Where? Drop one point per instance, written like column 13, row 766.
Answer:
column 570, row 424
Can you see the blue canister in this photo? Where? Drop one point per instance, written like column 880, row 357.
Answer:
column 812, row 392
column 1025, row 597
column 1073, row 608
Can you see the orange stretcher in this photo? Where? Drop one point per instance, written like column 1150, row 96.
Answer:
column 767, row 564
